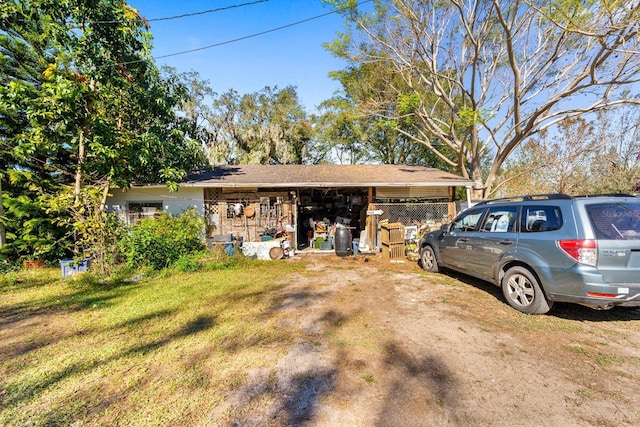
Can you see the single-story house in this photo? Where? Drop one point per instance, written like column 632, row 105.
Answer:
column 251, row 200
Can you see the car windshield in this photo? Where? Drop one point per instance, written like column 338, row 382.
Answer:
column 616, row 221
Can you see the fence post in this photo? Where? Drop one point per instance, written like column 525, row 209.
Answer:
column 452, row 211
column 373, row 228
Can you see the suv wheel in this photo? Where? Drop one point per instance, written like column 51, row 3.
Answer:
column 428, row 259
column 523, row 292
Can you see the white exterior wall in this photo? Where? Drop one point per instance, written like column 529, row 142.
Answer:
column 175, row 202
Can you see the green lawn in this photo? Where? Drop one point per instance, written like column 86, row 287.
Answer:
column 160, row 351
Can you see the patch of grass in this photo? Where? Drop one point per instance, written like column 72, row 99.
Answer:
column 585, row 394
column 600, row 358
column 368, row 378
column 158, row 351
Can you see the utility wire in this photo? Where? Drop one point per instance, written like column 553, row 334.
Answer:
column 203, row 12
column 168, row 18
column 261, row 33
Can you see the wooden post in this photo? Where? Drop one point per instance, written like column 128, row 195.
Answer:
column 372, row 231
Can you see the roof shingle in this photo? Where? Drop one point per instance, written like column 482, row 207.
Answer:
column 323, row 176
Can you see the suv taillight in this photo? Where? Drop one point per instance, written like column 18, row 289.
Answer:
column 583, row 251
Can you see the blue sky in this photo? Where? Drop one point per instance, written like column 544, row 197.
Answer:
column 291, row 56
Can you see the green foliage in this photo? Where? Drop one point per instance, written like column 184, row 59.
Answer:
column 31, row 232
column 408, row 102
column 159, row 242
column 467, row 116
column 265, row 127
column 96, row 232
column 206, row 260
column 187, row 264
column 81, row 102
column 527, row 63
column 375, row 119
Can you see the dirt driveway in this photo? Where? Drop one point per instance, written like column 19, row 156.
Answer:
column 385, row 344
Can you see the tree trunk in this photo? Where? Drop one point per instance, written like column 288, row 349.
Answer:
column 3, row 231
column 81, row 157
column 105, row 195
column 475, row 165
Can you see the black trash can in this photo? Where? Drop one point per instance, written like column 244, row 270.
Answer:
column 343, row 241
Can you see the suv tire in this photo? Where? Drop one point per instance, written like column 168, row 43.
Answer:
column 522, row 291
column 428, row 259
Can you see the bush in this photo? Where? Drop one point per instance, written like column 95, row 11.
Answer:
column 159, row 242
column 187, row 264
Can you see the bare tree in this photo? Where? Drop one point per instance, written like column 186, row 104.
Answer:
column 558, row 162
column 616, row 168
column 579, row 157
column 493, row 73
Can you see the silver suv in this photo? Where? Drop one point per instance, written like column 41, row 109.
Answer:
column 547, row 248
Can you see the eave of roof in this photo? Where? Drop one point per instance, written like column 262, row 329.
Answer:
column 323, row 176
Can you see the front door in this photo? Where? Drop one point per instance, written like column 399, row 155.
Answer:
column 456, row 246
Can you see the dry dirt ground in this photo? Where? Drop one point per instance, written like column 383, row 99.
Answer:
column 385, row 344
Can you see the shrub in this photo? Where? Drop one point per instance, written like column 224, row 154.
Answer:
column 159, row 242
column 187, row 264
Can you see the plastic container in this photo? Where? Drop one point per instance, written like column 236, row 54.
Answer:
column 229, row 248
column 343, row 241
column 70, row 267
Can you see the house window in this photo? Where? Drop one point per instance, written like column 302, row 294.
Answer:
column 235, row 209
column 138, row 210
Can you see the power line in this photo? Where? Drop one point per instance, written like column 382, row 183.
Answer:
column 261, row 33
column 168, row 18
column 203, row 12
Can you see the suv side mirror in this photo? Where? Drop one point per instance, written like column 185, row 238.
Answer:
column 445, row 228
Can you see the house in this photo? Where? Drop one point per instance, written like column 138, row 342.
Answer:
column 251, row 200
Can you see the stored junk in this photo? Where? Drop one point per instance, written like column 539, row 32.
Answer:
column 392, row 240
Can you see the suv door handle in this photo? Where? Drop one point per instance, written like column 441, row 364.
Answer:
column 505, row 242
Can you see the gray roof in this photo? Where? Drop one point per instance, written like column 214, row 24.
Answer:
column 279, row 176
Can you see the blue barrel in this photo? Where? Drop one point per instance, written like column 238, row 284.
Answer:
column 343, row 241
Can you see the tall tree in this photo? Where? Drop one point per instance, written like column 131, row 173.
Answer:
column 616, row 169
column 265, row 127
column 579, row 157
column 500, row 72
column 371, row 117
column 553, row 162
column 81, row 101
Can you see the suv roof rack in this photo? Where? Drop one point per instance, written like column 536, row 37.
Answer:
column 605, row 195
column 552, row 196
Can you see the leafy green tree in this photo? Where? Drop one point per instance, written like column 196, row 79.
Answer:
column 83, row 104
column 265, row 127
column 97, row 233
column 489, row 75
column 195, row 113
column 371, row 118
column 339, row 132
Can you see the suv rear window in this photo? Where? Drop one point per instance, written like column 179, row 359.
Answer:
column 615, row 221
column 540, row 218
